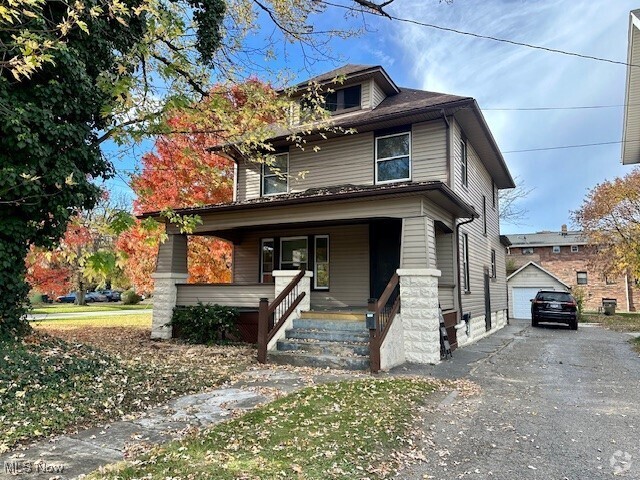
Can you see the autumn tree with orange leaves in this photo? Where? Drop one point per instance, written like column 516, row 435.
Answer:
column 610, row 218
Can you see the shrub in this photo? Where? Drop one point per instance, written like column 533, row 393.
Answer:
column 579, row 294
column 130, row 298
column 205, row 323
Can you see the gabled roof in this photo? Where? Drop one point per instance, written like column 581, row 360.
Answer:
column 547, row 239
column 631, row 124
column 535, row 265
column 352, row 71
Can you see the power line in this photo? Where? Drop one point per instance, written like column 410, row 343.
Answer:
column 490, row 37
column 562, row 147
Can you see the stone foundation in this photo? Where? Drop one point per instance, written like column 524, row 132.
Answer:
column 164, row 299
column 420, row 316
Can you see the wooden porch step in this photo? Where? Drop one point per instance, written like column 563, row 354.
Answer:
column 344, row 315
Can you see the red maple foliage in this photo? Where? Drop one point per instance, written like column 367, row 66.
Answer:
column 180, row 173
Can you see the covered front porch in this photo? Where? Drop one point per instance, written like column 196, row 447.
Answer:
column 347, row 261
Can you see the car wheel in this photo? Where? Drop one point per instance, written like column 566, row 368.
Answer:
column 573, row 325
column 534, row 322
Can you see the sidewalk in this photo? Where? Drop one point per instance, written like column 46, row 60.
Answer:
column 70, row 456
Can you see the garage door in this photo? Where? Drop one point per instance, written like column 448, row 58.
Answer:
column 522, row 300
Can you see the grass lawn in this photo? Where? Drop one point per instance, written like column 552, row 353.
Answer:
column 84, row 371
column 636, row 344
column 343, row 430
column 100, row 307
column 136, row 320
column 620, row 322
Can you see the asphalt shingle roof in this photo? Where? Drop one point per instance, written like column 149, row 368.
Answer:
column 547, row 238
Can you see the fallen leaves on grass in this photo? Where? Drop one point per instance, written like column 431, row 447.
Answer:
column 83, row 376
column 361, row 429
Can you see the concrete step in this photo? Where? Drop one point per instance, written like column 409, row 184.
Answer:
column 353, row 315
column 324, row 348
column 327, row 335
column 319, row 361
column 333, row 325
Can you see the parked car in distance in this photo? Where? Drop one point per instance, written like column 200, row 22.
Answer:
column 112, row 295
column 68, row 298
column 555, row 307
column 95, row 297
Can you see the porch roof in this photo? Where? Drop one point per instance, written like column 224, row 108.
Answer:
column 436, row 191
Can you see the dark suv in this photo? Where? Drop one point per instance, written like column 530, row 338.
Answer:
column 556, row 307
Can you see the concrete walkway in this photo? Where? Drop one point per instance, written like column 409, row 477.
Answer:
column 105, row 313
column 70, row 456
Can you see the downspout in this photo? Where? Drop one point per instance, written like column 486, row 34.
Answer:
column 448, row 141
column 458, row 264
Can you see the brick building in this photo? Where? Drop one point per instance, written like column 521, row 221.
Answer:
column 567, row 255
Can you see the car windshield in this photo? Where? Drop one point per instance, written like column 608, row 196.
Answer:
column 554, row 297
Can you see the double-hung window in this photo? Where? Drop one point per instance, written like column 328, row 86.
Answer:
column 465, row 263
column 494, row 272
column 393, row 158
column 464, row 162
column 275, row 175
column 293, row 253
column 267, row 254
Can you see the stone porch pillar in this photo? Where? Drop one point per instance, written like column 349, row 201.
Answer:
column 171, row 269
column 420, row 316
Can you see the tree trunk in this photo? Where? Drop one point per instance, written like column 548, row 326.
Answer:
column 80, row 298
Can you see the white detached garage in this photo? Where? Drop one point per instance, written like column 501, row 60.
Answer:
column 524, row 283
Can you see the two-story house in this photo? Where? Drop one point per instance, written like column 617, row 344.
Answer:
column 408, row 204
column 561, row 261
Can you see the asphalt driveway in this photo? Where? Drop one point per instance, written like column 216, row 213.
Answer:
column 555, row 404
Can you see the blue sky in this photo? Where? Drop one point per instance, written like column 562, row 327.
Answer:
column 502, row 76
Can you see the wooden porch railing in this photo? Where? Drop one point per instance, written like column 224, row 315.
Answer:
column 271, row 317
column 384, row 311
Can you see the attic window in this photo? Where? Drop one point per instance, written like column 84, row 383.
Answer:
column 343, row 99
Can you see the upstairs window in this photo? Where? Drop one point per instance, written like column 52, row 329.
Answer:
column 343, row 99
column 466, row 279
column 494, row 272
column 581, row 278
column 484, row 214
column 275, row 175
column 574, row 248
column 393, row 158
column 527, row 251
column 556, row 249
column 464, row 162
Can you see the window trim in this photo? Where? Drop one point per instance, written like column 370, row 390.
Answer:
column 299, row 237
column 553, row 249
column 586, row 278
column 494, row 270
column 315, row 262
column 264, row 175
column 338, row 111
column 464, row 162
column 484, row 214
column 386, row 159
column 466, row 277
column 262, row 242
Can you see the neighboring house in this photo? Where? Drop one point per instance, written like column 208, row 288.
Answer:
column 560, row 261
column 631, row 124
column 414, row 193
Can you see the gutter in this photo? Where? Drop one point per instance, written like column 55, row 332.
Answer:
column 448, row 140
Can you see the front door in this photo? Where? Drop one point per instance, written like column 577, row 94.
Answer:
column 384, row 248
column 487, row 301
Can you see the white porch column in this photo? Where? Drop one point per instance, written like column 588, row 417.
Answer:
column 283, row 278
column 171, row 269
column 420, row 316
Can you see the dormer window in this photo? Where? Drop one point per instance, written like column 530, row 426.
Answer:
column 275, row 175
column 344, row 99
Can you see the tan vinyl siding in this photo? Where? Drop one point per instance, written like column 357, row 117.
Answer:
column 397, row 207
column 377, row 95
column 365, row 92
column 248, row 181
column 172, row 255
column 338, row 161
column 631, row 148
column 429, row 151
column 245, row 296
column 480, row 245
column 415, row 242
column 348, row 262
